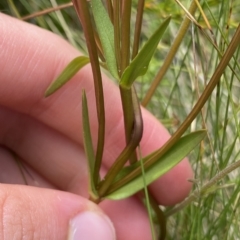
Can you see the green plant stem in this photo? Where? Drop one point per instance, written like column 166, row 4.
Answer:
column 129, row 118
column 116, row 24
column 99, row 46
column 127, row 151
column 110, row 9
column 172, row 53
column 192, row 115
column 138, row 26
column 125, row 33
column 46, row 11
column 160, row 217
column 146, row 195
column 81, row 7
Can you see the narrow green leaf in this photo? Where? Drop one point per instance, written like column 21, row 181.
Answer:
column 88, row 146
column 146, row 194
column 14, row 9
column 170, row 159
column 139, row 65
column 71, row 69
column 106, row 35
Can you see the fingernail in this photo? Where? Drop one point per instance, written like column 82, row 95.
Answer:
column 91, row 226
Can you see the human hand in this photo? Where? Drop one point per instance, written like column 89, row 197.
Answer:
column 46, row 134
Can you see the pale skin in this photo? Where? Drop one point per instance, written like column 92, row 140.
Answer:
column 46, row 135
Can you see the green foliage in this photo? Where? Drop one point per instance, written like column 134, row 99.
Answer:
column 170, row 159
column 139, row 65
column 88, row 145
column 106, row 34
column 72, row 68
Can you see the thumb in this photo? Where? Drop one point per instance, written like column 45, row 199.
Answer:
column 37, row 213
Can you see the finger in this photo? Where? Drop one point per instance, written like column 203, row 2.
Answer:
column 60, row 160
column 61, row 215
column 54, row 156
column 128, row 226
column 62, row 110
column 15, row 171
column 49, row 153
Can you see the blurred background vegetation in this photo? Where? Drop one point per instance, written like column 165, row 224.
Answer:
column 214, row 216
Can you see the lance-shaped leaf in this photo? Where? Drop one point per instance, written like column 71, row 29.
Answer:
column 106, row 35
column 170, row 159
column 139, row 65
column 88, row 146
column 71, row 69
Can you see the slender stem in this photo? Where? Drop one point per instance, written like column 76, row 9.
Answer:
column 46, row 11
column 129, row 118
column 121, row 7
column 138, row 26
column 197, row 108
column 82, row 10
column 127, row 151
column 99, row 46
column 110, row 9
column 125, row 33
column 116, row 24
column 160, row 217
column 168, row 60
column 145, row 192
column 205, row 188
column 126, row 95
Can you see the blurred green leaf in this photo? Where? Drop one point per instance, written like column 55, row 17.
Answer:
column 125, row 171
column 88, row 146
column 106, row 35
column 14, row 9
column 71, row 69
column 139, row 65
column 170, row 159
